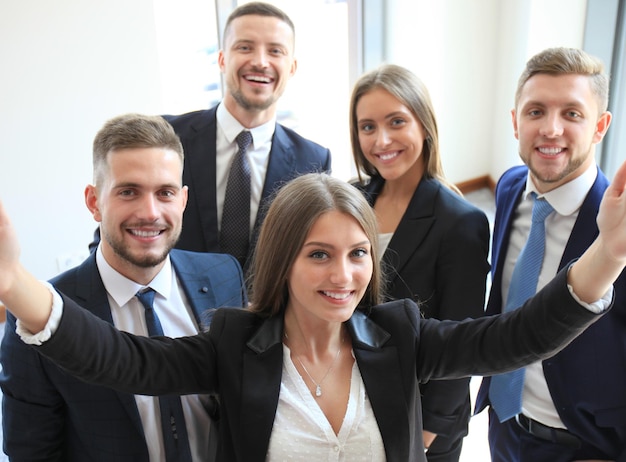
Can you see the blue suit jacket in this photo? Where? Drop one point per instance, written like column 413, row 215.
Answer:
column 290, row 156
column 438, row 256
column 49, row 415
column 587, row 380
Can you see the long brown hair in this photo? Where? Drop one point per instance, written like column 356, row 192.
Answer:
column 294, row 210
column 412, row 93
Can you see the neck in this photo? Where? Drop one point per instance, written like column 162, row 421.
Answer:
column 313, row 343
column 249, row 118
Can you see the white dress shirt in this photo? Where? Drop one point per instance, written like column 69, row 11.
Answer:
column 301, row 431
column 258, row 157
column 566, row 201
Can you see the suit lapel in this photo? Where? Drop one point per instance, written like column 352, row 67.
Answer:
column 583, row 232
column 414, row 226
column 90, row 292
column 261, row 378
column 381, row 373
column 197, row 287
column 281, row 165
column 202, row 165
column 418, row 219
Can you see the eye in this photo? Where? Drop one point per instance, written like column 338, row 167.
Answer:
column 366, row 128
column 573, row 114
column 167, row 194
column 318, row 255
column 397, row 122
column 534, row 113
column 359, row 253
column 277, row 51
column 127, row 192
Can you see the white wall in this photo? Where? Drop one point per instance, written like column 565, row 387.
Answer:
column 69, row 65
column 470, row 54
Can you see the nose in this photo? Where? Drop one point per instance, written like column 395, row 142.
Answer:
column 341, row 272
column 149, row 208
column 382, row 138
column 259, row 58
column 551, row 126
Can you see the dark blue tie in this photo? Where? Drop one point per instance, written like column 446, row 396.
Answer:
column 175, row 437
column 235, row 228
column 505, row 390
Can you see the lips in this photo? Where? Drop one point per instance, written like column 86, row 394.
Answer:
column 552, row 151
column 337, row 295
column 258, row 78
column 388, row 155
column 145, row 233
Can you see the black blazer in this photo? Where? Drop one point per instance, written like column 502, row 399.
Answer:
column 587, row 380
column 290, row 156
column 49, row 415
column 438, row 256
column 241, row 357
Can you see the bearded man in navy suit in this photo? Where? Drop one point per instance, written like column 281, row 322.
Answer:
column 138, row 198
column 257, row 61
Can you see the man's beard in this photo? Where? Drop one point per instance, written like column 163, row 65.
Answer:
column 144, row 261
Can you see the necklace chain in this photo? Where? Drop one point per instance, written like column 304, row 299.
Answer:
column 318, row 385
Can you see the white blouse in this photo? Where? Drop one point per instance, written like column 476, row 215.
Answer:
column 302, row 432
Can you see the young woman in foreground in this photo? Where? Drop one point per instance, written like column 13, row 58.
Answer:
column 315, row 370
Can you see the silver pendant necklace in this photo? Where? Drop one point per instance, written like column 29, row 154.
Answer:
column 318, row 385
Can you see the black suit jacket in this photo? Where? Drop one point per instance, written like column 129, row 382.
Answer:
column 438, row 256
column 290, row 156
column 241, row 357
column 587, row 380
column 49, row 415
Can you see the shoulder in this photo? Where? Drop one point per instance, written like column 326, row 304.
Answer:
column 204, row 261
column 512, row 175
column 191, row 122
column 289, row 136
column 396, row 315
column 448, row 206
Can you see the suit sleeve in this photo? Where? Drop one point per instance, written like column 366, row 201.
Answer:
column 33, row 410
column 96, row 352
column 462, row 267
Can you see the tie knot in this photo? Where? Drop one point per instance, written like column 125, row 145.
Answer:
column 243, row 140
column 541, row 209
column 146, row 297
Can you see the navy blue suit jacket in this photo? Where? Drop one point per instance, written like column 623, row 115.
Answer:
column 290, row 156
column 438, row 256
column 587, row 380
column 49, row 415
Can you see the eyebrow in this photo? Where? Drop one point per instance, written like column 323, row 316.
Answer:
column 130, row 184
column 330, row 246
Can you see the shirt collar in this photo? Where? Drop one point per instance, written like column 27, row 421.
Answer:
column 569, row 197
column 122, row 289
column 231, row 127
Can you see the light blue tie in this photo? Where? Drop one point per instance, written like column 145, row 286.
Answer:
column 505, row 390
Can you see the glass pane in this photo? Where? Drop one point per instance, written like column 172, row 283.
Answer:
column 186, row 35
column 315, row 103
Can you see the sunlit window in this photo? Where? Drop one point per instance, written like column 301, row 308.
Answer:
column 315, row 103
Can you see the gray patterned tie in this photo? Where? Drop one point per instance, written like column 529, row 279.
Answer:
column 235, row 232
